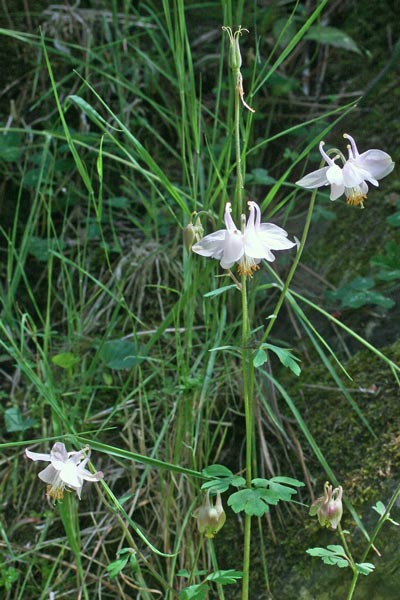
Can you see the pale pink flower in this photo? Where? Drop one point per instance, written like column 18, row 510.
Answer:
column 247, row 247
column 351, row 179
column 66, row 469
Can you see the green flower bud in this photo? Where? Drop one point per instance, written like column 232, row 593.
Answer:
column 210, row 519
column 192, row 232
column 235, row 57
column 189, row 236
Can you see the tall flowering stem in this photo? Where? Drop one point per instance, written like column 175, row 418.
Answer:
column 235, row 62
column 248, row 373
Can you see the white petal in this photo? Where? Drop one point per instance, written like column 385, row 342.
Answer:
column 88, row 476
column 59, row 452
column 233, row 249
column 336, row 191
column 364, row 187
column 69, row 475
column 211, row 245
column 49, row 474
column 334, row 175
column 37, row 455
column 275, row 237
column 314, row 179
column 254, row 246
column 376, row 162
column 353, row 174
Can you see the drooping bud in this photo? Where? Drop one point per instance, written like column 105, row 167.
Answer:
column 329, row 507
column 192, row 232
column 210, row 519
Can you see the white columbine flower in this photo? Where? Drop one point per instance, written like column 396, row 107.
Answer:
column 67, row 469
column 247, row 247
column 350, row 179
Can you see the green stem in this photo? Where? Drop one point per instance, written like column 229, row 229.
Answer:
column 346, row 547
column 239, row 174
column 220, row 588
column 196, row 559
column 248, row 409
column 293, row 267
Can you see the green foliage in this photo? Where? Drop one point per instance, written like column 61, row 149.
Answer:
column 331, row 36
column 331, row 555
column 388, row 263
column 364, row 568
column 285, row 356
column 359, row 292
column 194, row 592
column 380, row 508
column 95, row 197
column 119, row 354
column 125, row 555
column 222, row 479
column 336, row 556
column 8, row 576
column 200, row 591
column 14, row 420
column 264, row 492
column 225, row 577
column 394, row 220
column 65, row 360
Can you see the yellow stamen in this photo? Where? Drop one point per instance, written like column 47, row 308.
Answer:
column 247, row 266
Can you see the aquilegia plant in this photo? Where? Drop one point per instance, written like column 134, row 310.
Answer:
column 247, row 246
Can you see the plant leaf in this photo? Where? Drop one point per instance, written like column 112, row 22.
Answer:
column 120, row 354
column 332, row 555
column 285, row 356
column 14, row 421
column 365, row 568
column 222, row 479
column 225, row 577
column 332, row 36
column 194, row 592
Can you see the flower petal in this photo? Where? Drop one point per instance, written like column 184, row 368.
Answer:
column 59, row 452
column 353, row 174
column 315, row 179
column 376, row 162
column 336, row 191
column 211, row 245
column 49, row 474
column 70, row 476
column 334, row 175
column 88, row 476
column 37, row 455
column 275, row 237
column 233, row 249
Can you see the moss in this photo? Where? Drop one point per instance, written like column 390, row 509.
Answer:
column 365, row 465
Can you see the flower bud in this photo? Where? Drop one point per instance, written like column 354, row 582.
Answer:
column 192, row 232
column 329, row 507
column 210, row 519
column 235, row 57
column 189, row 236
